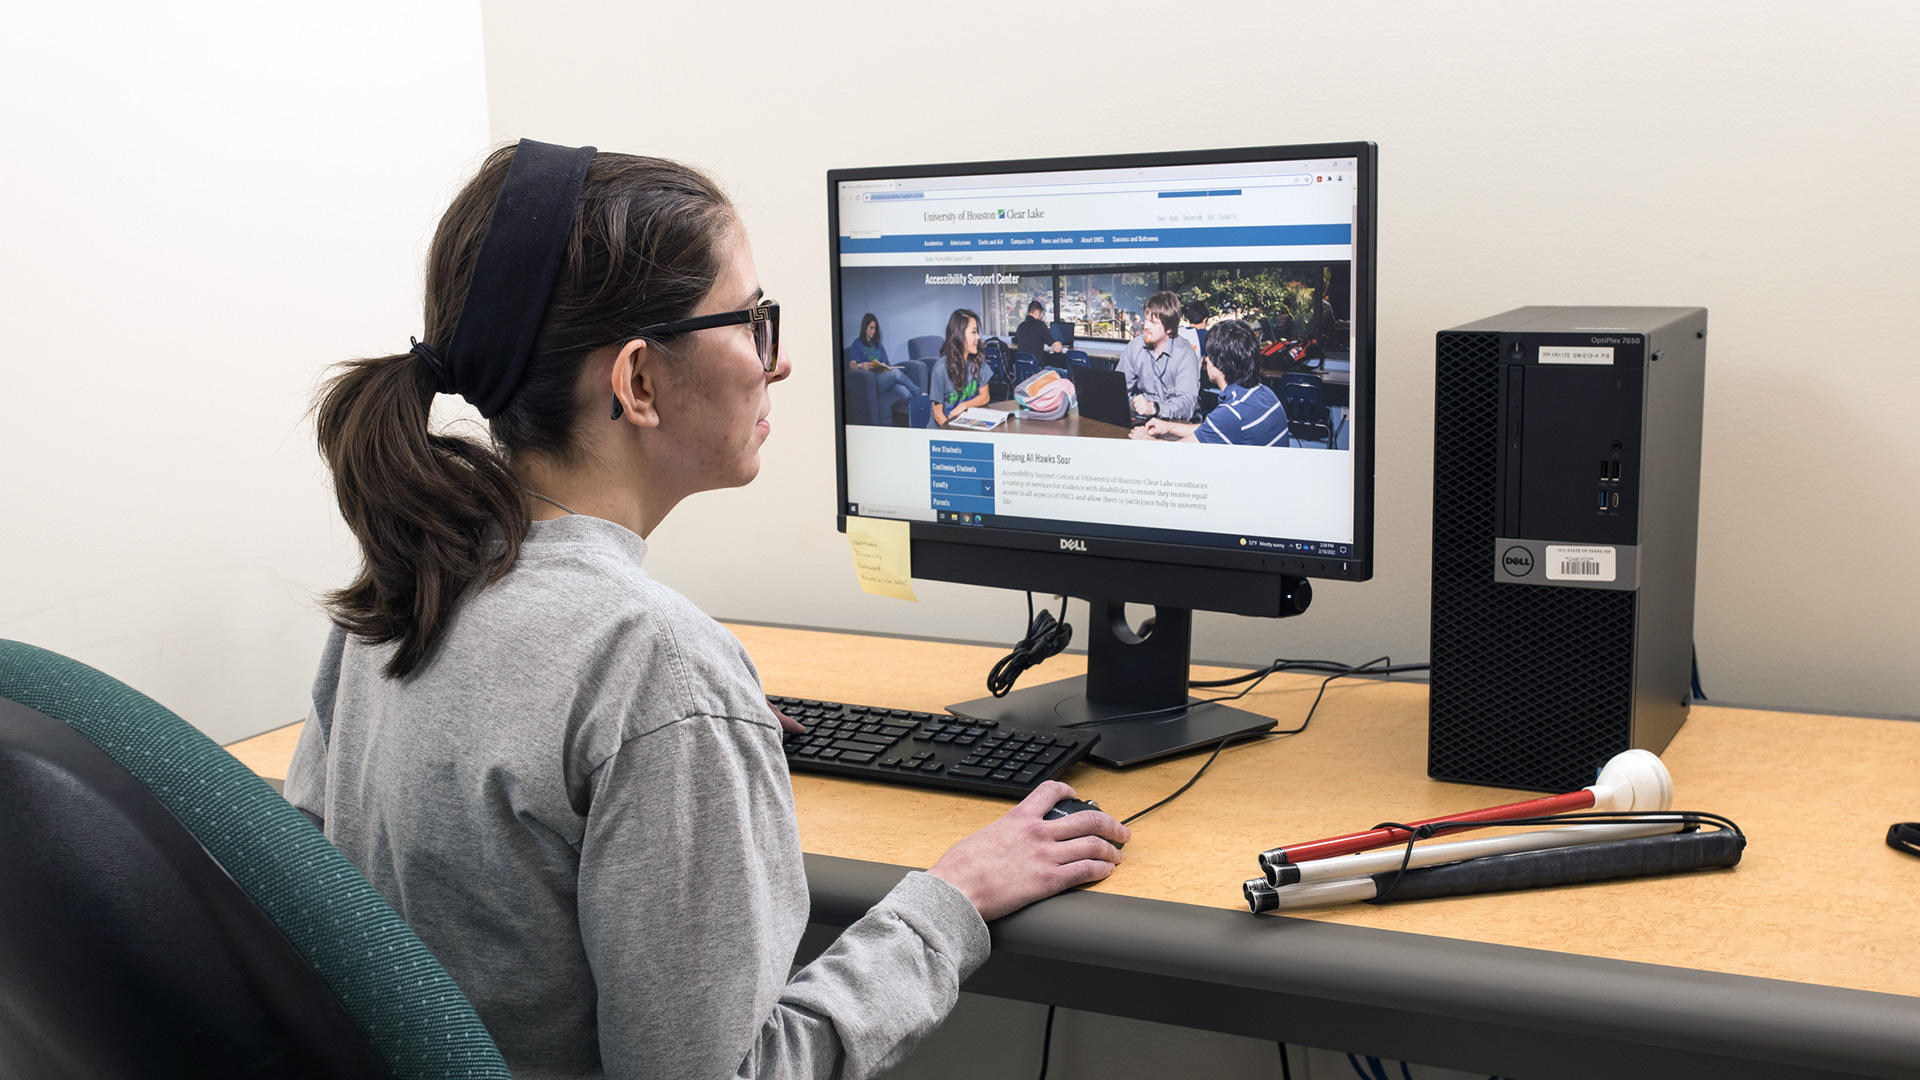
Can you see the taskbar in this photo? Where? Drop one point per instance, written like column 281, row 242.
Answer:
column 1279, row 545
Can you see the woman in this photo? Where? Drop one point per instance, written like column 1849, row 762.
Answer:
column 867, row 354
column 1249, row 413
column 959, row 382
column 564, row 776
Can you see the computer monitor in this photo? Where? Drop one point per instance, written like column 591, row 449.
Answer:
column 1090, row 508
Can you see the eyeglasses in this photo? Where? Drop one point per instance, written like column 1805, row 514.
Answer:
column 764, row 317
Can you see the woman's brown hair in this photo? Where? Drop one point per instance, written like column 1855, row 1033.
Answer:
column 438, row 514
column 960, row 363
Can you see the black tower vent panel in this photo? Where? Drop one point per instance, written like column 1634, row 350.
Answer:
column 1532, row 685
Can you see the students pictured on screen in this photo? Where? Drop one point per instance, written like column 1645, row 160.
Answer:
column 867, row 354
column 1163, row 371
column 1033, row 336
column 562, row 774
column 1195, row 315
column 1249, row 413
column 959, row 378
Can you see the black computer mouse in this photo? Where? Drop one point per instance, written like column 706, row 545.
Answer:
column 1070, row 806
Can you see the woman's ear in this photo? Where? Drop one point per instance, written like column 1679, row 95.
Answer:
column 639, row 370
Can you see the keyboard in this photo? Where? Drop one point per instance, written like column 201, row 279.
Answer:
column 937, row 750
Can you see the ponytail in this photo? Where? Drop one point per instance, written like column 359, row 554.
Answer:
column 438, row 516
column 434, row 514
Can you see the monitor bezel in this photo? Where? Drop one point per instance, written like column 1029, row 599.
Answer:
column 1355, row 567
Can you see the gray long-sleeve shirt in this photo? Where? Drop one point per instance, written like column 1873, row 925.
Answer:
column 1168, row 376
column 581, row 805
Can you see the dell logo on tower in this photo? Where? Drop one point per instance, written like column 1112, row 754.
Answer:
column 1073, row 545
column 1518, row 561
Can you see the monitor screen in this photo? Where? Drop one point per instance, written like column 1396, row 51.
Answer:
column 1167, row 355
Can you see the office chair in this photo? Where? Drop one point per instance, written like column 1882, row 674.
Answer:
column 166, row 913
column 1076, row 357
column 1304, row 397
column 1024, row 367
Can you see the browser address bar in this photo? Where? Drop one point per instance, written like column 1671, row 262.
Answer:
column 1236, row 184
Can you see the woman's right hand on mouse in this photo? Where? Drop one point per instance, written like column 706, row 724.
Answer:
column 1023, row 857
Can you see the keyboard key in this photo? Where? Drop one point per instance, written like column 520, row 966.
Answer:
column 807, row 751
column 1051, row 756
column 945, row 736
column 968, row 772
column 829, row 754
column 858, row 758
column 922, row 716
column 810, row 704
column 970, row 761
column 1025, row 776
column 931, row 766
column 893, row 732
column 889, row 762
column 964, row 740
column 1003, row 775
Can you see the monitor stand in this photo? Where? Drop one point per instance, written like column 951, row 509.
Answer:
column 1127, row 673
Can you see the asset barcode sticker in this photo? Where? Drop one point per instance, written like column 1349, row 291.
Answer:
column 1579, row 563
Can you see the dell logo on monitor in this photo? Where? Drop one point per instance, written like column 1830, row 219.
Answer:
column 1073, row 545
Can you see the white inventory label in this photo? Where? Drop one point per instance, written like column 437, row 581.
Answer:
column 1563, row 354
column 1579, row 563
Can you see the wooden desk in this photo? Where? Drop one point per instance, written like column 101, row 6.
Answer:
column 1764, row 970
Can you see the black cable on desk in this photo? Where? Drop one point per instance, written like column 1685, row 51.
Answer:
column 1378, row 666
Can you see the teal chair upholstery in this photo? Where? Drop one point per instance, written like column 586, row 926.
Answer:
column 164, row 912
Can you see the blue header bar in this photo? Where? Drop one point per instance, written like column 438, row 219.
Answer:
column 1332, row 235
column 1198, row 194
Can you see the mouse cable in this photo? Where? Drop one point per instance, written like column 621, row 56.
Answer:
column 1378, row 666
column 1047, row 635
column 1286, row 1067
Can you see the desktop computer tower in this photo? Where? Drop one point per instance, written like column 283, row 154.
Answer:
column 1566, row 498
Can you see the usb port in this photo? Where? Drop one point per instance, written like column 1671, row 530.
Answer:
column 1603, row 500
column 1613, row 501
column 1614, row 474
column 1603, row 469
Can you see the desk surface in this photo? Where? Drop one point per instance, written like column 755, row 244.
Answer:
column 1810, row 791
column 1658, row 978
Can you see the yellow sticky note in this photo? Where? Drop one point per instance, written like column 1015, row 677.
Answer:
column 882, row 556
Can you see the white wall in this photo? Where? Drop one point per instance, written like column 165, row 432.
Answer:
column 1756, row 158
column 203, row 206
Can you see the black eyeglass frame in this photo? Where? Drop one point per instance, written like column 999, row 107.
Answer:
column 766, row 311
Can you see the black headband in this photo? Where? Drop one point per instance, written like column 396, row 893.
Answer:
column 513, row 275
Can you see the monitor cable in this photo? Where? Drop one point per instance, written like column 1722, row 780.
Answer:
column 1047, row 635
column 1378, row 666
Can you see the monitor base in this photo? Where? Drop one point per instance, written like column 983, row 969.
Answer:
column 1122, row 742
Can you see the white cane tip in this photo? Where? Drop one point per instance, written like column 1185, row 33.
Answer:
column 1635, row 780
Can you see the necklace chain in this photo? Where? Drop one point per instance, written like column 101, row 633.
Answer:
column 555, row 502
